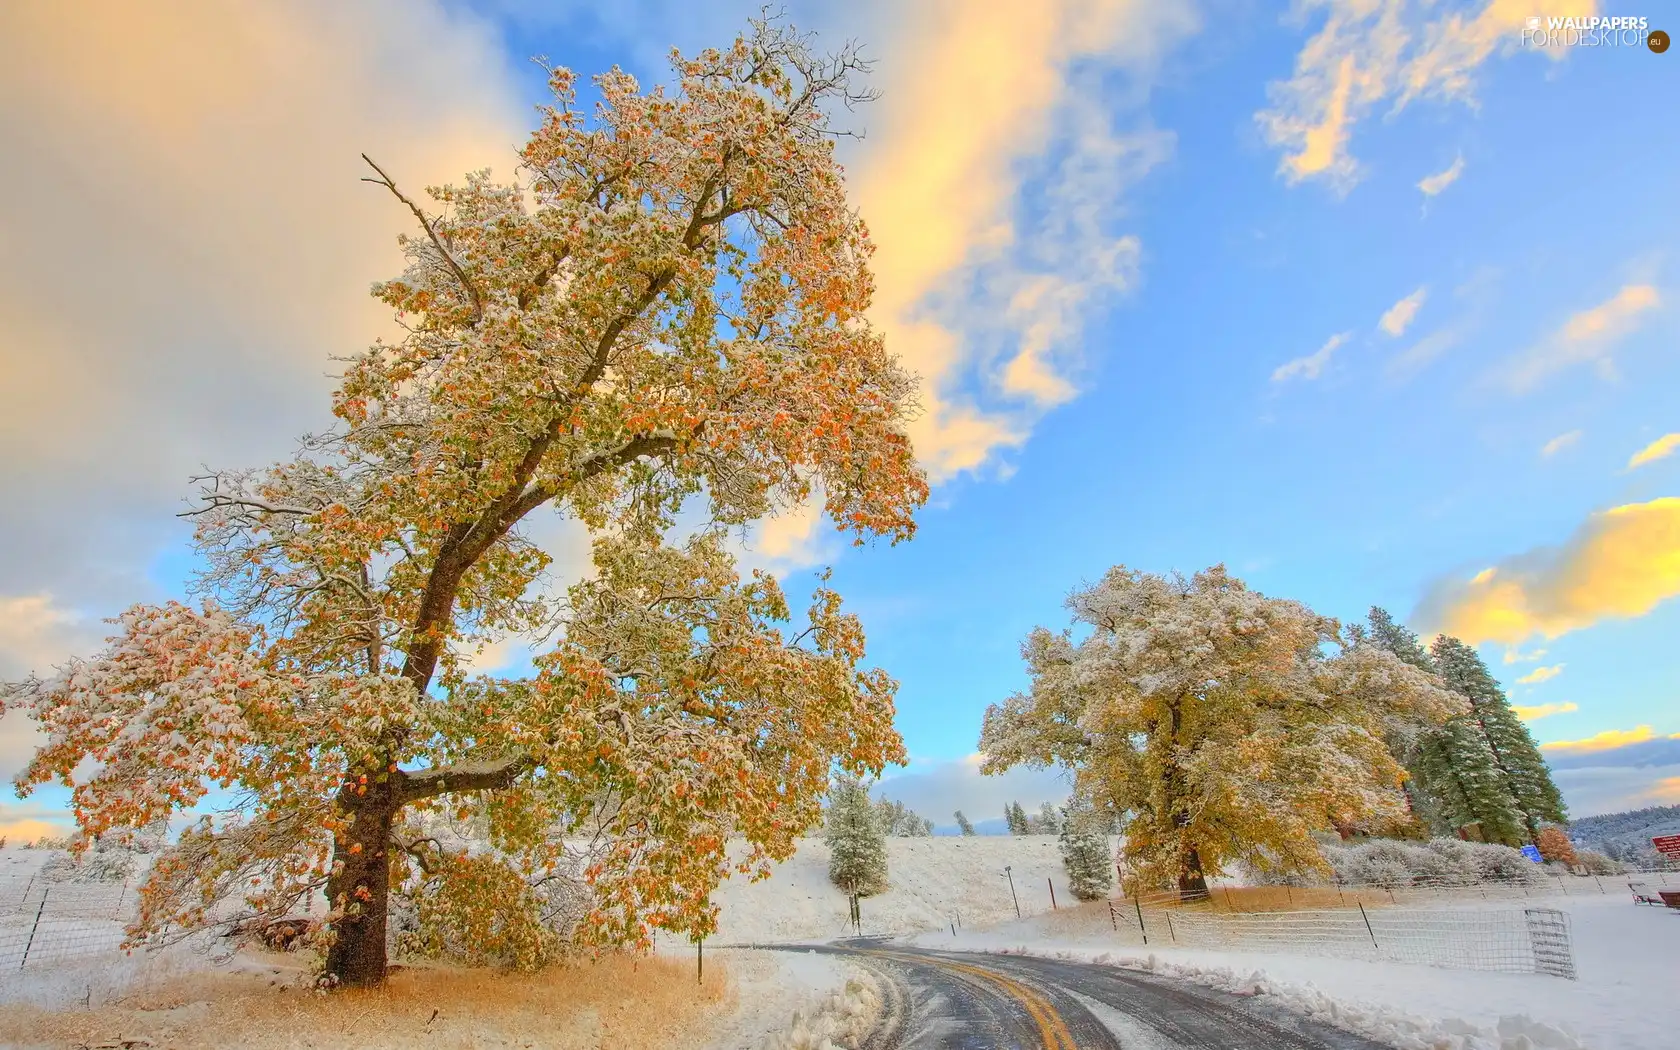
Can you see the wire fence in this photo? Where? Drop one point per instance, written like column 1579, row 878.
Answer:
column 44, row 922
column 1505, row 940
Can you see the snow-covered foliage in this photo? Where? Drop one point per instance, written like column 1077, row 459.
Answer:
column 1227, row 724
column 1015, row 818
column 1597, row 863
column 1083, row 840
column 1439, row 862
column 1626, row 837
column 897, row 820
column 856, row 840
column 666, row 312
column 964, row 825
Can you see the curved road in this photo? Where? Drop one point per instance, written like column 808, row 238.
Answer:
column 964, row 1001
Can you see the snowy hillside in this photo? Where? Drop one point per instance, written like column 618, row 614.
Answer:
column 1627, row 836
column 935, row 881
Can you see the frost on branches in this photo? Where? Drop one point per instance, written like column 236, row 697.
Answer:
column 1083, row 840
column 665, row 309
column 1215, row 718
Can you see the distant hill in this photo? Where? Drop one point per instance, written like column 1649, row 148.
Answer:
column 1627, row 836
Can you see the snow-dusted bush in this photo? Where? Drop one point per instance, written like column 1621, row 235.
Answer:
column 1439, row 862
column 1597, row 863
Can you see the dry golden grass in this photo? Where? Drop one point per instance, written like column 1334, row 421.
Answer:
column 634, row 1003
column 1286, row 898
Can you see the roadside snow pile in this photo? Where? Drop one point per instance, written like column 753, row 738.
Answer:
column 793, row 999
column 844, row 1019
column 1397, row 1028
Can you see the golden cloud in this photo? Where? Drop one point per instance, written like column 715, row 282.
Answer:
column 1541, row 674
column 1656, row 450
column 1398, row 317
column 1664, row 792
column 1432, row 185
column 1586, row 338
column 30, row 829
column 1605, row 741
column 978, row 97
column 1621, row 562
column 1372, row 51
column 1539, row 711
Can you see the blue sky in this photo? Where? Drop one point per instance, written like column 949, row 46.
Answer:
column 1189, row 201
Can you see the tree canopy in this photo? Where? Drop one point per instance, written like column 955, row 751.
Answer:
column 662, row 312
column 1227, row 725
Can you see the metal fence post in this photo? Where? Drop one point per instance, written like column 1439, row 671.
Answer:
column 1141, row 928
column 31, row 942
column 1368, row 929
column 1170, row 931
column 1052, row 884
column 1112, row 921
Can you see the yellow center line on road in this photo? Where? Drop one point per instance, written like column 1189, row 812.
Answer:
column 1051, row 1028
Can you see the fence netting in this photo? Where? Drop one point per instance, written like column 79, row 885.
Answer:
column 44, row 922
column 1505, row 940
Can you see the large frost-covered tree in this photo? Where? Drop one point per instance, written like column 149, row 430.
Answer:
column 1214, row 717
column 1515, row 753
column 665, row 310
column 857, row 842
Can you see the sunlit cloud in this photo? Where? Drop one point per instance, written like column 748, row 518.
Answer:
column 1559, row 443
column 1371, row 52
column 1432, row 185
column 1539, row 711
column 982, row 295
column 1398, row 317
column 1658, row 449
column 1517, row 656
column 1610, row 738
column 1541, row 674
column 1312, row 365
column 1665, row 792
column 1587, row 338
column 1620, row 563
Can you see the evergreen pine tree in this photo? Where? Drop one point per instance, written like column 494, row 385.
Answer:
column 1047, row 822
column 856, row 841
column 1016, row 818
column 964, row 824
column 1084, row 846
column 1409, row 745
column 1515, row 753
column 1467, row 786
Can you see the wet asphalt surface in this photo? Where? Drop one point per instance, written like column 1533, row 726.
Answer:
column 937, row 1000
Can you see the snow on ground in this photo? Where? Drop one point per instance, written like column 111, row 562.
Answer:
column 1624, row 998
column 788, row 1000
column 935, row 882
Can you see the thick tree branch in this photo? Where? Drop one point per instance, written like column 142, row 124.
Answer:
column 490, row 775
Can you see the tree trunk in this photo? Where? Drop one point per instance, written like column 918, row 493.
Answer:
column 1192, row 883
column 360, row 888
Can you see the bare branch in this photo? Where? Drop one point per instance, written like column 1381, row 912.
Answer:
column 431, row 232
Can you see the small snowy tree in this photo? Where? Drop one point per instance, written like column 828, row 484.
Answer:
column 1215, row 718
column 1083, row 840
column 964, row 824
column 1016, row 818
column 1046, row 822
column 857, row 843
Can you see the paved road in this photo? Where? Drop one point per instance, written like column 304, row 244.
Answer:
column 962, row 1001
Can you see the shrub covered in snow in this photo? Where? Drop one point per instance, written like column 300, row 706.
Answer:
column 1396, row 862
column 1597, row 863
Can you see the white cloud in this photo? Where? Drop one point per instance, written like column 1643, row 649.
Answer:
column 1312, row 365
column 1432, row 185
column 1398, row 317
column 1415, row 358
column 1559, row 443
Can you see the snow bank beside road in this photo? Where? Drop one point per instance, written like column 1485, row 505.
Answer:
column 789, row 1000
column 1624, row 998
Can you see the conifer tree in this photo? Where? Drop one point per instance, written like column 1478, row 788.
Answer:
column 1083, row 841
column 1016, row 818
column 1468, row 787
column 856, row 841
column 1047, row 822
column 1515, row 753
column 1411, row 745
column 964, row 824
